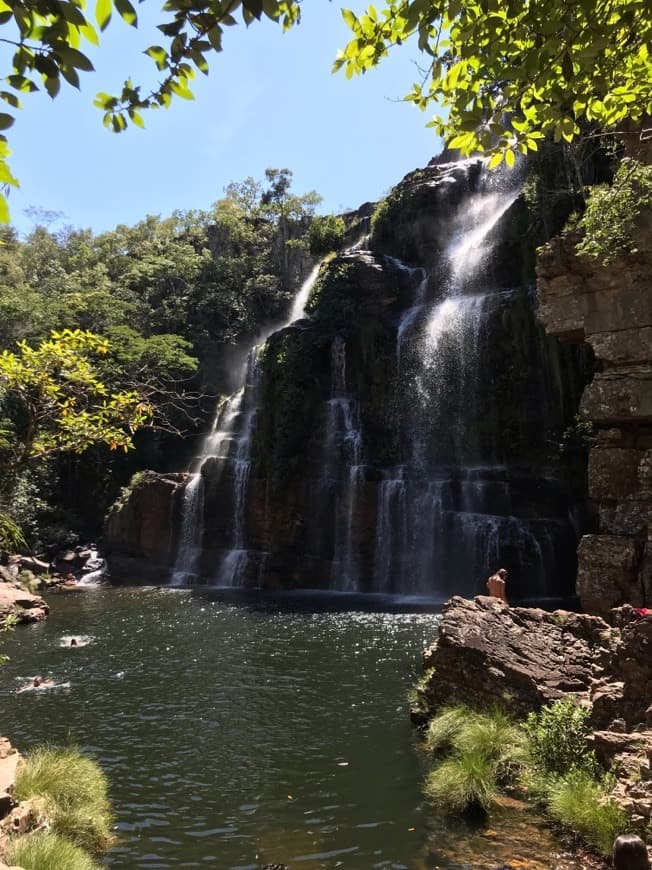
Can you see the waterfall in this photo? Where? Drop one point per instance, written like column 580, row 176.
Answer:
column 435, row 518
column 342, row 470
column 189, row 547
column 426, row 502
column 234, row 559
column 391, row 535
column 229, row 442
column 301, row 299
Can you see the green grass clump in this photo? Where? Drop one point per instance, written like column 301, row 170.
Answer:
column 74, row 789
column 444, row 728
column 499, row 739
column 463, row 782
column 580, row 802
column 48, row 851
column 485, row 749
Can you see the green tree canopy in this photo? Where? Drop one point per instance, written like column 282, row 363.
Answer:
column 63, row 404
column 503, row 74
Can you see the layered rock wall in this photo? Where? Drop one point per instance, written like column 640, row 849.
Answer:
column 610, row 308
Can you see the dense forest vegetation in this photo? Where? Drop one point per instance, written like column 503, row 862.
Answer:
column 173, row 300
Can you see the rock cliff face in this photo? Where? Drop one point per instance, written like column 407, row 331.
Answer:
column 610, row 308
column 403, row 436
column 522, row 658
column 141, row 528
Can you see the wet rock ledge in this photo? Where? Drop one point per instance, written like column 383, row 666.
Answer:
column 522, row 658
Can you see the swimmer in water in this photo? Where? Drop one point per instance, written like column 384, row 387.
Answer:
column 73, row 641
column 37, row 683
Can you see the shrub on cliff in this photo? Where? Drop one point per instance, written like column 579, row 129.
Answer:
column 74, row 789
column 326, row 234
column 48, row 851
column 558, row 738
column 611, row 215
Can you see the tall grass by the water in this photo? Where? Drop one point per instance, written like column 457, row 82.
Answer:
column 485, row 749
column 578, row 801
column 463, row 782
column 74, row 790
column 548, row 756
column 48, row 851
column 446, row 726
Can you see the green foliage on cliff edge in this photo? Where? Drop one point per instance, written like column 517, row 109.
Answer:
column 610, row 220
column 326, row 234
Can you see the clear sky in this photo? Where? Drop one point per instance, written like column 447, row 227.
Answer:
column 269, row 100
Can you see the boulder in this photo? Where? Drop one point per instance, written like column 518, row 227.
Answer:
column 16, row 601
column 522, row 657
column 141, row 528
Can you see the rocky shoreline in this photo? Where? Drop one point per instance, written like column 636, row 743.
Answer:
column 522, row 658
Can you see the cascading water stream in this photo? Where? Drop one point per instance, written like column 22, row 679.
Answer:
column 229, row 442
column 342, row 467
column 188, row 548
column 420, row 514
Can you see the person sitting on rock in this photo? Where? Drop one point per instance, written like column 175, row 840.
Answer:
column 630, row 853
column 496, row 584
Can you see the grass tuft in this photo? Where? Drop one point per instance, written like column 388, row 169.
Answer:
column 444, row 728
column 463, row 782
column 74, row 789
column 48, row 851
column 499, row 739
column 580, row 802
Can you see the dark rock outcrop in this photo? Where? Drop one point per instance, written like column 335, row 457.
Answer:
column 610, row 308
column 522, row 658
column 141, row 528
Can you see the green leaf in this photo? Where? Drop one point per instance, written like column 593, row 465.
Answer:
column 89, row 33
column 127, row 12
column 20, row 83
column 136, row 118
column 6, row 121
column 70, row 75
column 52, row 85
column 158, row 54
column 5, row 175
column 10, row 98
column 496, row 160
column 4, row 209
column 75, row 58
column 103, row 12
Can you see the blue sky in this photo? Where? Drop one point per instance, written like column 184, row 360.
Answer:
column 270, row 100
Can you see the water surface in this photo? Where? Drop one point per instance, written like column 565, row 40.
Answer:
column 240, row 734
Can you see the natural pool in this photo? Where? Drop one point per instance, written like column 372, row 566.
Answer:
column 237, row 735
